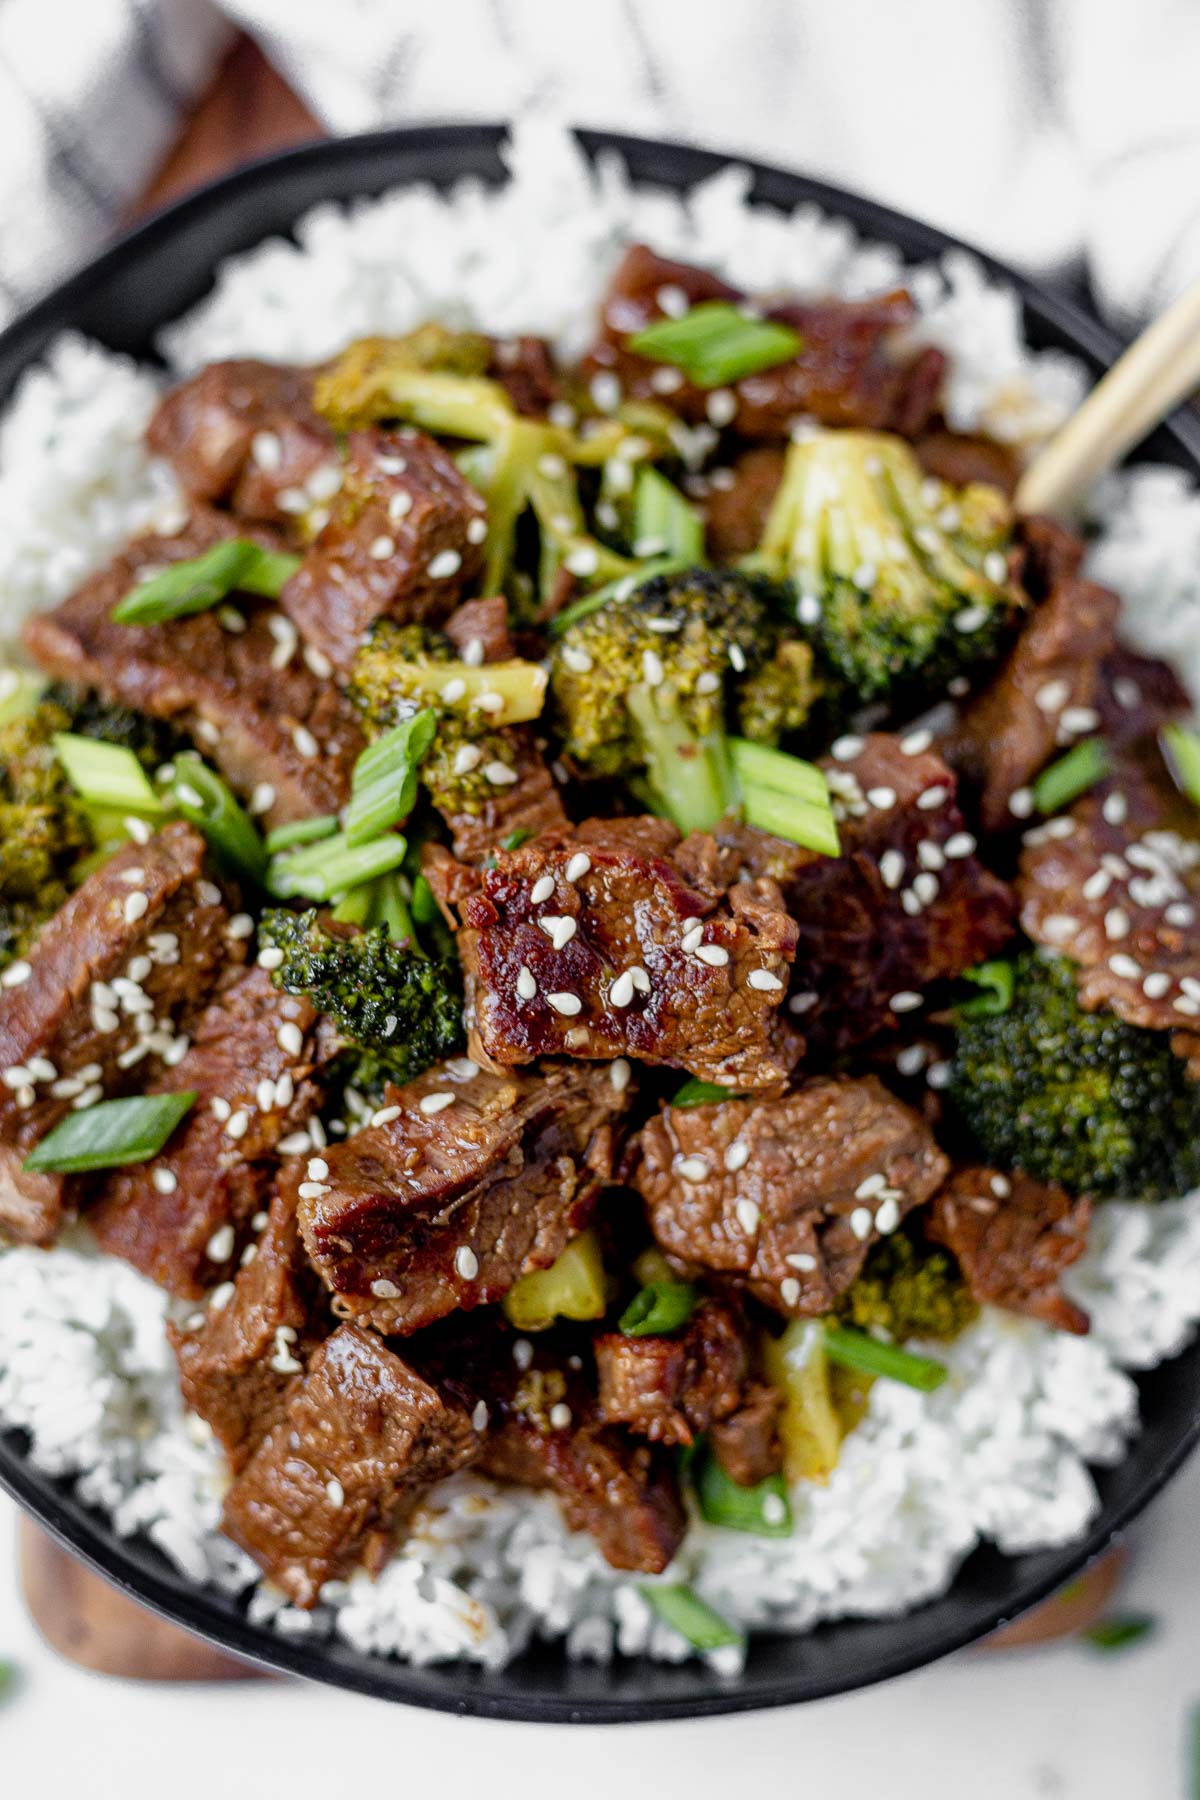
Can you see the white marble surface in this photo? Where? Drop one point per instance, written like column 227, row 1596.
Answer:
column 1056, row 1724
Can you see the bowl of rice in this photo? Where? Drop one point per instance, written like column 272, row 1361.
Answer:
column 949, row 1512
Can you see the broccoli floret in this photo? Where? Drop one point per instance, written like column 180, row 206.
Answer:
column 373, row 378
column 1078, row 1098
column 399, row 1011
column 645, row 687
column 909, row 1289
column 905, row 578
column 402, row 666
column 43, row 829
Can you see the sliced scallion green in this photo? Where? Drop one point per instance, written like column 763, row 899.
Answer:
column 663, row 519
column 995, row 983
column 384, row 784
column 701, row 1093
column 684, row 1611
column 1073, row 774
column 425, row 909
column 325, row 870
column 858, row 1350
column 660, row 1308
column 785, row 795
column 199, row 583
column 1120, row 1630
column 106, row 774
column 715, row 343
column 515, row 839
column 763, row 1510
column 110, row 1134
column 205, row 800
column 1182, row 750
column 301, row 831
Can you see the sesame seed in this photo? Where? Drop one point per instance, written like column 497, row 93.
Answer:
column 137, row 828
column 713, row 954
column 925, row 887
column 304, row 741
column 560, row 930
column 764, row 981
column 1179, row 913
column 1125, row 967
column 381, row 548
column 1052, row 696
column 290, row 1038
column 526, row 985
column 266, row 450
column 238, row 1125
column 16, row 974
column 891, row 868
column 1115, row 809
column 264, row 1095
column 578, row 866
column 802, row 1260
column 578, row 661
column 466, row 1262
column 443, row 565
column 1020, row 804
column 317, row 1169
column 391, row 465
column 912, row 1059
column 906, row 1001
column 737, row 658
column 932, row 797
column 522, row 1352
column 584, row 560
column 789, row 1293
column 476, row 530
column 619, row 1074
column 887, row 1217
column 1076, row 719
column 721, row 407
column 692, row 1168
column 970, row 619
column 220, row 1245
column 620, row 994
column 737, row 1156
column 567, row 1004
column 995, row 566
column 868, row 1188
column 271, row 957
column 916, row 742
column 436, row 1103
column 383, row 1289
column 164, row 1181
column 692, row 939
column 499, row 774
column 652, row 667
column 335, row 1493
column 958, row 845
column 802, row 1002
column 542, row 889
column 400, row 505
column 240, row 926
column 747, row 1216
column 862, row 1220
column 1116, row 923
column 262, row 799
column 882, row 797
column 386, row 1115
column 559, row 1416
column 1156, row 985
column 845, row 749
column 136, row 907
column 479, row 1416
column 454, row 690
column 220, row 1297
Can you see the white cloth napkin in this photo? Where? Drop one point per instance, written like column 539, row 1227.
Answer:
column 1045, row 130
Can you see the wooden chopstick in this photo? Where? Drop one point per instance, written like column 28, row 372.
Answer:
column 1156, row 374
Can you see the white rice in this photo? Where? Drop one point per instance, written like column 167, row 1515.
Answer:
column 1002, row 1451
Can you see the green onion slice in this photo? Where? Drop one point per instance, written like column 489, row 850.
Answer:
column 384, row 784
column 623, row 588
column 715, row 343
column 663, row 518
column 763, row 1510
column 659, row 1309
column 784, row 795
column 110, row 1134
column 515, row 839
column 1181, row 748
column 857, row 1350
column 200, row 582
column 106, row 774
column 701, row 1093
column 1073, row 774
column 1120, row 1631
column 329, row 869
column 204, row 799
column 425, row 909
column 693, row 1618
column 301, row 831
column 995, row 982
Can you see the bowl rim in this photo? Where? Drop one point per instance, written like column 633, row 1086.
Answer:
column 134, row 1566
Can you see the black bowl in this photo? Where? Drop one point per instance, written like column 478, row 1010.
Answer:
column 123, row 298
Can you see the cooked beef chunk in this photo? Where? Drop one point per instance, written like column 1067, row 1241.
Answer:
column 1013, row 1237
column 846, row 372
column 746, row 1444
column 787, row 1194
column 483, row 624
column 620, row 939
column 473, row 1181
column 184, row 1218
column 524, row 367
column 961, row 459
column 112, row 981
column 405, row 533
column 361, row 1441
column 738, row 502
column 669, row 1389
column 1046, row 694
column 531, row 804
column 907, row 903
column 240, row 1366
column 1137, row 696
column 245, row 434
column 545, row 1431
column 251, row 701
column 1115, row 885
